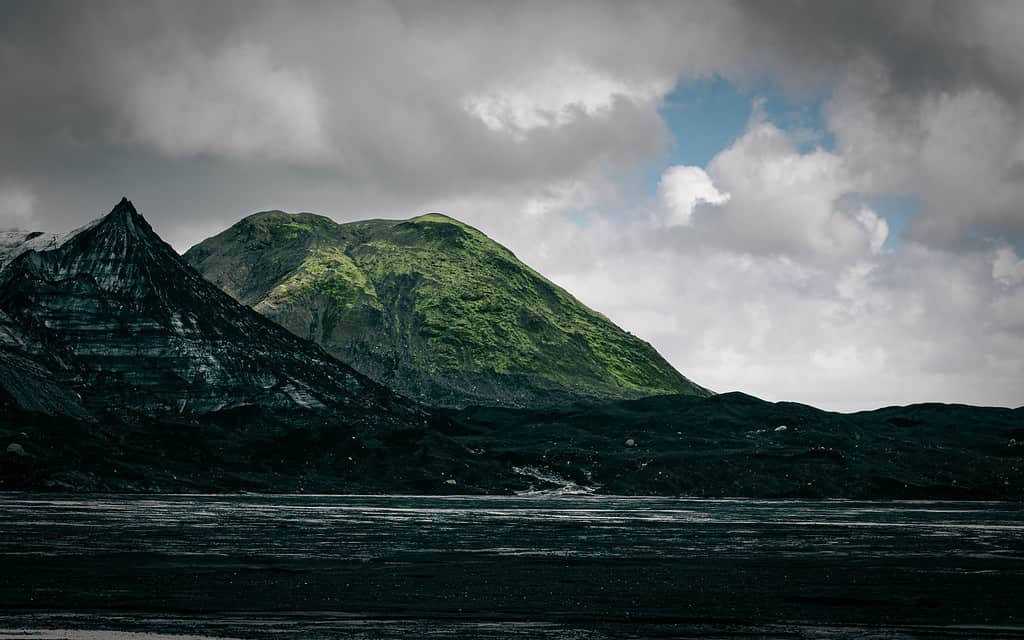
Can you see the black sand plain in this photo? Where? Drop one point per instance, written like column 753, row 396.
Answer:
column 524, row 567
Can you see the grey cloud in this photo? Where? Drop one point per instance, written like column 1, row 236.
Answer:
column 927, row 99
column 364, row 96
column 371, row 95
column 923, row 44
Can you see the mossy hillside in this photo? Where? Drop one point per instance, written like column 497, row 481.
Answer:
column 254, row 256
column 481, row 308
column 291, row 226
column 328, row 272
column 431, row 305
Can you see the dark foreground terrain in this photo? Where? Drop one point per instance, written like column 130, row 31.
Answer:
column 726, row 445
column 524, row 567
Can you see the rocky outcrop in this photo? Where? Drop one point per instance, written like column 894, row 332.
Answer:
column 35, row 377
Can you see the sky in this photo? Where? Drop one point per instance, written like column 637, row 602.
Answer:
column 812, row 201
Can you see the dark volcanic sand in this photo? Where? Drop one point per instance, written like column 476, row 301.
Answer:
column 540, row 567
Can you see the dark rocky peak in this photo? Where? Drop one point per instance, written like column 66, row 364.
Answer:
column 125, row 215
column 124, row 224
column 119, row 252
column 129, row 309
column 124, row 209
column 110, row 249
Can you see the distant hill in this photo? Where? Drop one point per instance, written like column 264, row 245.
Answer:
column 432, row 308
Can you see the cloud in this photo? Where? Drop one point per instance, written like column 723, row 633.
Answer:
column 556, row 95
column 1008, row 267
column 17, row 205
column 763, row 195
column 958, row 151
column 785, row 200
column 391, row 102
column 682, row 188
column 237, row 103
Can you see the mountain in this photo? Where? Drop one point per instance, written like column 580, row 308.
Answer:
column 432, row 308
column 142, row 330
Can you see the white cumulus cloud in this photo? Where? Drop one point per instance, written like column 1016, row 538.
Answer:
column 555, row 95
column 681, row 188
column 784, row 200
column 770, row 197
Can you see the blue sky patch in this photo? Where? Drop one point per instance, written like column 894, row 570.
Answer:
column 708, row 115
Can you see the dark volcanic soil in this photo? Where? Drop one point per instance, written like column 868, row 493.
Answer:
column 727, row 445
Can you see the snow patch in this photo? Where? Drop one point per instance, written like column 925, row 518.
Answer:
column 14, row 242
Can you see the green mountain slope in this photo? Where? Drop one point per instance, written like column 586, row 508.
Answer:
column 432, row 308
